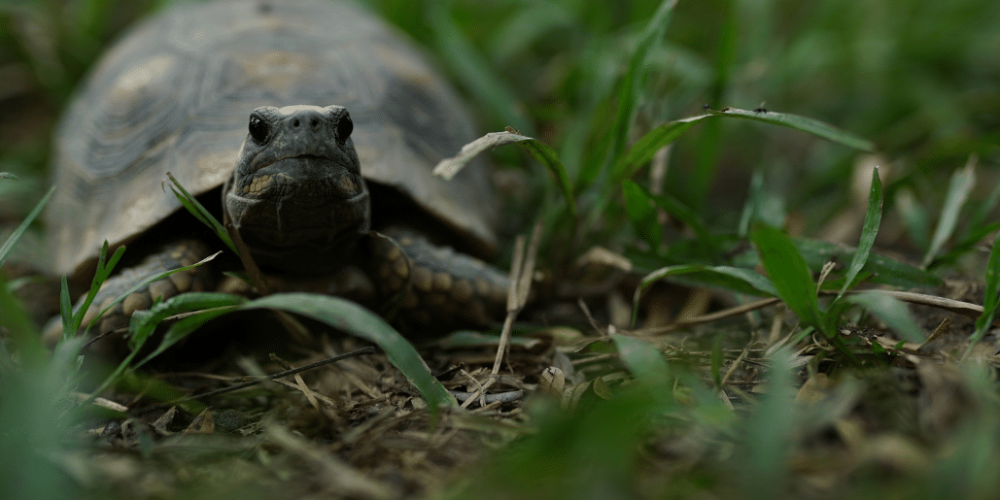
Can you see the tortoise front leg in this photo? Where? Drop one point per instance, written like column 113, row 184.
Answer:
column 447, row 290
column 171, row 256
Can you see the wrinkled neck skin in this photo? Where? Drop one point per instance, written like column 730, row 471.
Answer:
column 297, row 197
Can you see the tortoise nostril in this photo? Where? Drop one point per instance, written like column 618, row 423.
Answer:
column 314, row 123
column 295, row 122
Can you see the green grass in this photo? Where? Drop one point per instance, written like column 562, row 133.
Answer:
column 824, row 395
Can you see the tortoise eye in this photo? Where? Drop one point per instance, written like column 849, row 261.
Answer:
column 344, row 127
column 259, row 129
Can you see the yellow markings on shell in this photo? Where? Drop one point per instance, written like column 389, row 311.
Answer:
column 394, row 253
column 215, row 167
column 135, row 80
column 275, row 69
column 442, row 282
column 384, row 271
column 91, row 314
column 422, row 279
column 402, row 268
column 461, row 291
column 137, row 301
column 482, row 287
column 182, row 281
column 106, row 304
column 163, row 288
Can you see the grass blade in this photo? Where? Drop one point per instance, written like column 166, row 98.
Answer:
column 137, row 286
column 809, row 125
column 201, row 213
column 644, row 361
column 892, row 311
column 962, row 182
column 884, row 270
column 628, row 92
column 473, row 70
column 682, row 213
column 753, row 206
column 789, row 274
column 358, row 321
column 545, row 155
column 737, row 279
column 19, row 330
column 647, row 146
column 990, row 298
column 914, row 216
column 769, row 431
column 966, row 244
column 104, row 269
column 15, row 236
column 868, row 232
column 144, row 323
column 640, row 211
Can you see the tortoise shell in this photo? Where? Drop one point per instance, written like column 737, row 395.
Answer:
column 174, row 94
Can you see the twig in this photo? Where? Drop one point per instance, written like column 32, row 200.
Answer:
column 359, row 352
column 518, row 288
column 503, row 397
column 955, row 306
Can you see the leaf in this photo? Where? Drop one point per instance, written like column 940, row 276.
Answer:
column 990, row 298
column 143, row 323
column 647, row 146
column 644, row 361
column 628, row 91
column 139, row 285
column 968, row 242
column 741, row 280
column 682, row 213
column 789, row 274
column 754, row 204
column 914, row 216
column 15, row 236
column 802, row 123
column 101, row 273
column 884, row 270
column 545, row 155
column 640, row 211
column 962, row 182
column 358, row 321
column 201, row 213
column 770, row 430
column 892, row 311
column 868, row 232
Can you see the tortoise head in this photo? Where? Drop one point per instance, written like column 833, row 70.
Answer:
column 297, row 196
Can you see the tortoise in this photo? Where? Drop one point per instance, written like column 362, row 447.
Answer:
column 319, row 124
